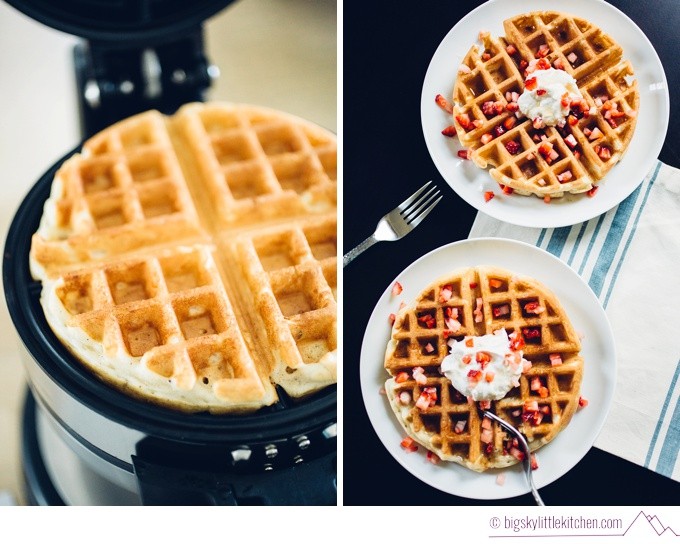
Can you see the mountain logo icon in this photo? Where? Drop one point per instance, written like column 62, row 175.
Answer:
column 645, row 526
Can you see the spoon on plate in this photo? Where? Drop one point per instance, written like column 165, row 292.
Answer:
column 524, row 447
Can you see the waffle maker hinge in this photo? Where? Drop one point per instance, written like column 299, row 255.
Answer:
column 115, row 81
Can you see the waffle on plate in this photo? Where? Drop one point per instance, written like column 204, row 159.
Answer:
column 191, row 260
column 529, row 151
column 459, row 308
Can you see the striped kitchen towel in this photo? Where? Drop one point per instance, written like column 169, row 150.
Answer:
column 630, row 256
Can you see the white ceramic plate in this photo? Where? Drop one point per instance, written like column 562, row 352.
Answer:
column 587, row 316
column 470, row 182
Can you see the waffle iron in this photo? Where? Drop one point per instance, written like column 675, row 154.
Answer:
column 84, row 442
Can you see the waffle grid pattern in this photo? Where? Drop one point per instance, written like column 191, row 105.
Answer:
column 435, row 426
column 598, row 70
column 253, row 176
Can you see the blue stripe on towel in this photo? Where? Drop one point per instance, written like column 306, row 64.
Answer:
column 593, row 237
column 662, row 416
column 611, row 242
column 631, row 235
column 671, row 445
column 557, row 240
column 577, row 243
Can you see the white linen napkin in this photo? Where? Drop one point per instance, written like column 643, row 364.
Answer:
column 630, row 257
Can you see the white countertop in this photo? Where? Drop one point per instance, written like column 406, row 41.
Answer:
column 277, row 53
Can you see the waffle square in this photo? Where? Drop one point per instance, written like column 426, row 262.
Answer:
column 191, row 260
column 486, row 299
column 518, row 152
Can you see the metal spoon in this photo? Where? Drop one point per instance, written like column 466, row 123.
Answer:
column 525, row 448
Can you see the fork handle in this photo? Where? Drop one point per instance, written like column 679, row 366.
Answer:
column 363, row 246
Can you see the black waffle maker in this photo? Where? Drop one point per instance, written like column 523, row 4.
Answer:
column 82, row 441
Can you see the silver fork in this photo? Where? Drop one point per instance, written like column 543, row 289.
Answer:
column 400, row 221
column 526, row 463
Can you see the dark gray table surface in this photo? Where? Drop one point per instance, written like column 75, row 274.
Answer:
column 387, row 49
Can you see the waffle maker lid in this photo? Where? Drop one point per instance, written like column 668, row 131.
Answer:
column 125, row 21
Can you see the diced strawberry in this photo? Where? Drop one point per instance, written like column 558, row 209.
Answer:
column 429, row 348
column 487, row 436
column 452, row 324
column 511, row 49
column 483, row 357
column 545, row 148
column 409, row 444
column 382, row 391
column 531, row 333
column 405, row 398
column 516, row 341
column 509, row 123
column 427, row 321
column 595, row 134
column 464, row 154
column 547, row 199
column 572, row 57
column 558, row 64
column 449, row 131
column 445, row 293
column 542, row 64
column 423, row 402
column 530, row 84
column 498, row 130
column 464, row 69
column 531, row 406
column 443, row 103
column 419, row 375
column 488, row 108
column 485, row 404
column 591, row 192
column 507, row 190
column 571, row 141
column 543, row 51
column 499, row 107
column 555, row 359
column 605, row 153
column 474, row 375
column 469, row 342
column 545, row 409
column 486, row 56
column 572, row 121
column 459, row 427
column 495, row 283
column 401, row 377
column 564, row 177
column 512, row 146
column 582, row 403
column 541, row 182
column 526, row 366
column 433, row 458
column 536, row 383
column 543, row 392
column 500, row 478
column 512, row 107
column 489, row 376
column 486, row 138
column 534, row 461
column 501, row 311
column 488, row 195
column 486, row 423
column 397, row 289
column 473, row 285
column 533, row 307
column 477, row 123
column 392, row 319
column 523, row 64
column 537, row 123
column 541, row 92
column 463, row 120
column 516, row 453
column 467, row 359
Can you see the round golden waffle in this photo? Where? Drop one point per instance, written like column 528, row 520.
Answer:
column 546, row 160
column 485, row 299
column 191, row 260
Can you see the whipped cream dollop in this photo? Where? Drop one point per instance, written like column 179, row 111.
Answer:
column 547, row 95
column 483, row 367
